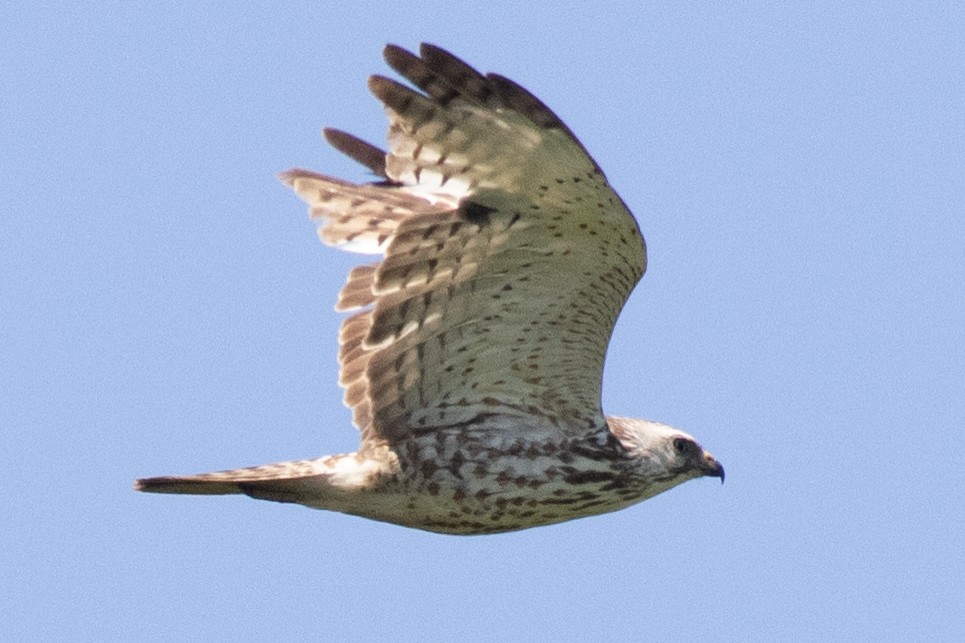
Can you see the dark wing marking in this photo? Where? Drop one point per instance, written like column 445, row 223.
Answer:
column 507, row 258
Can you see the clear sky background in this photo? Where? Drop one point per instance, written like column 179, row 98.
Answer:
column 165, row 306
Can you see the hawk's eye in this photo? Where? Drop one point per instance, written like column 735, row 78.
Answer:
column 681, row 445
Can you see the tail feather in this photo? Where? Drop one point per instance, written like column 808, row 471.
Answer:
column 257, row 481
column 197, row 485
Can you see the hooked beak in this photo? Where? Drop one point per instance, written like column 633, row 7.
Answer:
column 711, row 467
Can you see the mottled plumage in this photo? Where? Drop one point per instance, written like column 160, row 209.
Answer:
column 473, row 360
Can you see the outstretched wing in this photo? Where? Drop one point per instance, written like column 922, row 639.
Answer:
column 507, row 258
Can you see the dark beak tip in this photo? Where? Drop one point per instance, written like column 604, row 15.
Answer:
column 715, row 470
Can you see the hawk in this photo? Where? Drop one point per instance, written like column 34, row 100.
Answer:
column 473, row 360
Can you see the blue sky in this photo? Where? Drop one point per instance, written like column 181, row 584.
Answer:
column 167, row 308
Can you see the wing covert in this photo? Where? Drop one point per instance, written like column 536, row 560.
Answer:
column 507, row 257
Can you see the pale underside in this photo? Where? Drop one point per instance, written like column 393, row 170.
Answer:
column 474, row 357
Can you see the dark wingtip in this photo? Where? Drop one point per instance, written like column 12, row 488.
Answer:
column 360, row 151
column 394, row 53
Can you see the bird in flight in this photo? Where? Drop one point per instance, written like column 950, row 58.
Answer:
column 473, row 361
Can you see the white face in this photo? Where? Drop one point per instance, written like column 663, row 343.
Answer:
column 644, row 435
column 662, row 449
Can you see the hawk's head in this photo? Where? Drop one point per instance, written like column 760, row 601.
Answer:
column 664, row 454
